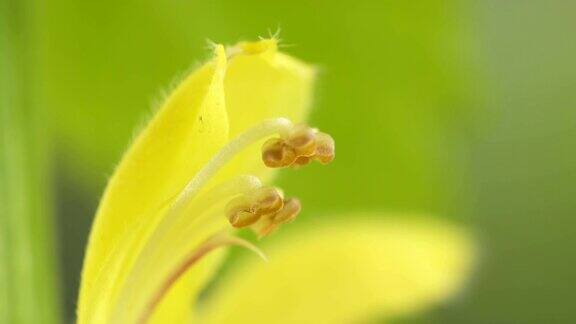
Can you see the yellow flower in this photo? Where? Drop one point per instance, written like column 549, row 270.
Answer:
column 200, row 168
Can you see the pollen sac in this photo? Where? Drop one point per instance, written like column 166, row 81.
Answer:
column 268, row 200
column 325, row 148
column 240, row 212
column 270, row 223
column 301, row 161
column 263, row 210
column 298, row 148
column 288, row 213
column 276, row 153
column 303, row 140
column 249, row 208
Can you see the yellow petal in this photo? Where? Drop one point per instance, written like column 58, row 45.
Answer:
column 263, row 83
column 260, row 83
column 190, row 127
column 125, row 260
column 347, row 272
column 176, row 306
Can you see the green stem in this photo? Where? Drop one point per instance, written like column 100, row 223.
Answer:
column 27, row 259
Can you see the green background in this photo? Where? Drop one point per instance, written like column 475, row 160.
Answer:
column 463, row 109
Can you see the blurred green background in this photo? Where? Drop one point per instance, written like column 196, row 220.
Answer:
column 463, row 109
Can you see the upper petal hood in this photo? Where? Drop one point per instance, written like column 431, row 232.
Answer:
column 263, row 83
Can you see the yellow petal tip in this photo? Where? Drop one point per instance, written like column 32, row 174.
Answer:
column 220, row 55
column 259, row 47
column 264, row 47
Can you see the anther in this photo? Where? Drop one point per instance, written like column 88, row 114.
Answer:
column 325, row 148
column 276, row 154
column 301, row 161
column 240, row 212
column 289, row 211
column 268, row 200
column 298, row 147
column 263, row 210
column 247, row 209
column 268, row 224
column 303, row 140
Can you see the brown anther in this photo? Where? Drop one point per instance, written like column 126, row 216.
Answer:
column 301, row 161
column 240, row 213
column 276, row 154
column 268, row 223
column 301, row 145
column 288, row 213
column 303, row 140
column 237, row 204
column 325, row 148
column 268, row 200
column 243, row 218
column 249, row 208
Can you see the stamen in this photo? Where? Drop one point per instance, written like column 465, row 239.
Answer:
column 267, row 225
column 279, row 126
column 292, row 208
column 262, row 210
column 325, row 148
column 239, row 212
column 249, row 208
column 303, row 139
column 301, row 161
column 268, row 200
column 297, row 148
column 192, row 258
column 180, row 217
column 276, row 154
column 177, row 228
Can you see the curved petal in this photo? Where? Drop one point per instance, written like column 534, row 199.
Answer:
column 176, row 306
column 346, row 272
column 263, row 83
column 137, row 237
column 260, row 83
column 190, row 127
